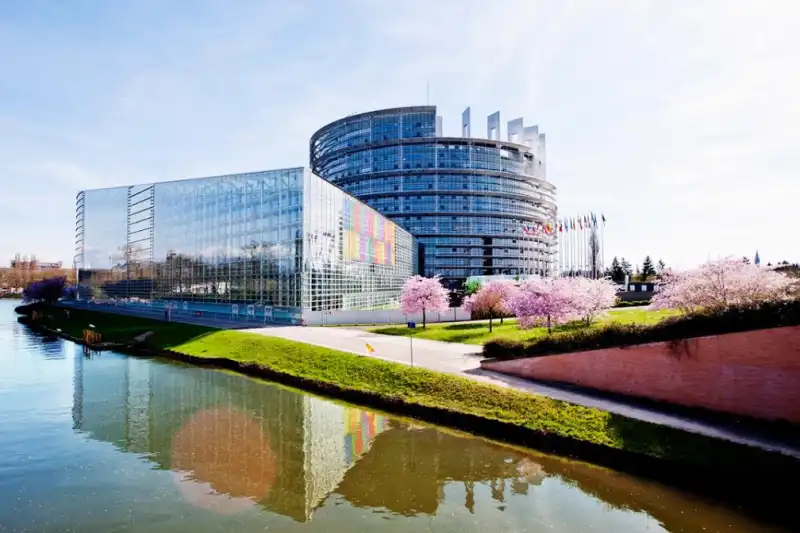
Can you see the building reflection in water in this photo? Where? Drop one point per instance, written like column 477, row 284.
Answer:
column 233, row 443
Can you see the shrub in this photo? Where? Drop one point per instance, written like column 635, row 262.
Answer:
column 47, row 290
column 632, row 303
column 697, row 324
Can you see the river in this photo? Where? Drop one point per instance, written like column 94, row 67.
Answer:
column 108, row 443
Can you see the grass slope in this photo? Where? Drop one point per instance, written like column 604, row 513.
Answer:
column 478, row 332
column 117, row 328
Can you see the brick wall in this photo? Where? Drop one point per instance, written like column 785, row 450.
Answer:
column 754, row 373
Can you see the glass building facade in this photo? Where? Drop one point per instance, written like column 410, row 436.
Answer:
column 263, row 246
column 471, row 203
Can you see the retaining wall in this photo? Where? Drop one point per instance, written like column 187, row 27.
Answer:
column 752, row 373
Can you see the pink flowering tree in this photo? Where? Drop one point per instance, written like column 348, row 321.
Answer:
column 423, row 295
column 491, row 299
column 542, row 301
column 718, row 285
column 592, row 297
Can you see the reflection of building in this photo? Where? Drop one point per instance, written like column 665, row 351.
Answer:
column 406, row 471
column 292, row 454
column 285, row 450
column 264, row 246
column 246, row 439
column 479, row 206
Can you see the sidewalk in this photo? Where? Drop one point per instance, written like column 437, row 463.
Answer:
column 464, row 360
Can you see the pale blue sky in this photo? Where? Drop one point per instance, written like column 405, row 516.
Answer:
column 679, row 119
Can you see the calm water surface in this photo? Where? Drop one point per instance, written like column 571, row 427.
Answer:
column 113, row 443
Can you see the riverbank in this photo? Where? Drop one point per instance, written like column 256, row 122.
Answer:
column 445, row 399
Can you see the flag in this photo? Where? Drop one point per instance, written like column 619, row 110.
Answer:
column 757, row 260
column 370, row 349
column 561, row 227
column 594, row 220
column 604, row 218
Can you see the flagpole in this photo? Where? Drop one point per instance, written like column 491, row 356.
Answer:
column 573, row 249
column 580, row 245
column 603, row 242
column 586, row 260
column 571, row 246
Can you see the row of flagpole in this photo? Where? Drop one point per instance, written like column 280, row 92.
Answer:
column 579, row 243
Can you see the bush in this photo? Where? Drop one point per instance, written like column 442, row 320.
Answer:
column 698, row 324
column 47, row 290
column 632, row 303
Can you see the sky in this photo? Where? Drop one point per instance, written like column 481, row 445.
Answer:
column 678, row 120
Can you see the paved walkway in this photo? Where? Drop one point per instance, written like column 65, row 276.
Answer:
column 464, row 360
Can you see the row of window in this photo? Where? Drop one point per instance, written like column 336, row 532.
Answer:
column 455, row 204
column 451, row 272
column 450, row 182
column 369, row 129
column 427, row 156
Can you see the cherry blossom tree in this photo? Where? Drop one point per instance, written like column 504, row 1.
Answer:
column 542, row 301
column 423, row 294
column 491, row 299
column 592, row 297
column 718, row 285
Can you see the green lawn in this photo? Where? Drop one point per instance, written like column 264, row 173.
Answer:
column 117, row 328
column 478, row 332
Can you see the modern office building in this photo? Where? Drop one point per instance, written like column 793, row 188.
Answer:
column 264, row 246
column 479, row 206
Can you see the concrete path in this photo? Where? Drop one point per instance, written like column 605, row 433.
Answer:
column 464, row 360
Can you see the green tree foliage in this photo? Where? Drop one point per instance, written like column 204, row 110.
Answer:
column 472, row 286
column 648, row 269
column 626, row 268
column 616, row 272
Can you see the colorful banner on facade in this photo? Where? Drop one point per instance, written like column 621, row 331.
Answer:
column 368, row 237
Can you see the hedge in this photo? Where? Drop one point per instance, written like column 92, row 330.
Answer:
column 700, row 324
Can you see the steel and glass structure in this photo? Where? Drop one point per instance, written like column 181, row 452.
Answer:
column 263, row 246
column 474, row 204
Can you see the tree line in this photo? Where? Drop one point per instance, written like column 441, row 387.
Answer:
column 620, row 268
column 18, row 278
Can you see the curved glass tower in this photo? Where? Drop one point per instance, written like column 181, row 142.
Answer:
column 478, row 207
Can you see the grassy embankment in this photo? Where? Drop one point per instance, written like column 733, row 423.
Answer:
column 443, row 398
column 478, row 332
